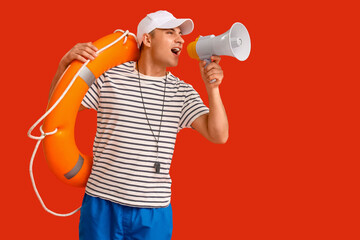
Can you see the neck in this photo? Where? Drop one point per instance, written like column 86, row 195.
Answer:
column 149, row 67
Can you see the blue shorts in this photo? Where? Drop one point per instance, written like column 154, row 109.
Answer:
column 104, row 220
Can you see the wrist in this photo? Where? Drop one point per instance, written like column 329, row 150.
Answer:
column 64, row 62
column 212, row 89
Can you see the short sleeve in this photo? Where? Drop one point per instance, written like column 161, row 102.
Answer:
column 91, row 98
column 193, row 108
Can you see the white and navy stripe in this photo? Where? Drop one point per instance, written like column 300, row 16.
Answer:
column 124, row 147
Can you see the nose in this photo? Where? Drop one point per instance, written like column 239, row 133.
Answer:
column 179, row 39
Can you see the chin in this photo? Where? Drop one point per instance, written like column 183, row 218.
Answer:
column 173, row 64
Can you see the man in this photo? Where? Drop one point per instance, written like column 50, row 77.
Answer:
column 140, row 109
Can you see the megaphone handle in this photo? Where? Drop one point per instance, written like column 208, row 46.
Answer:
column 207, row 60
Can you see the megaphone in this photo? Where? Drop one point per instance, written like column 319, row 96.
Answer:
column 235, row 43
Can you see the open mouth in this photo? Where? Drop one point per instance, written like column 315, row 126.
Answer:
column 176, row 51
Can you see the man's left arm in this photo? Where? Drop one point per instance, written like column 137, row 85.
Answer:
column 214, row 125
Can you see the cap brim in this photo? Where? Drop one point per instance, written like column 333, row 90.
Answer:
column 186, row 25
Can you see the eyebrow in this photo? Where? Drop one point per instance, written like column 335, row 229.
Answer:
column 173, row 29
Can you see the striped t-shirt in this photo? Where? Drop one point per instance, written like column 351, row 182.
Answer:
column 124, row 147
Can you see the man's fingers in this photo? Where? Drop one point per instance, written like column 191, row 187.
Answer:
column 215, row 59
column 85, row 50
column 91, row 49
column 213, row 76
column 87, row 55
column 92, row 46
column 202, row 64
column 80, row 58
column 214, row 71
column 212, row 66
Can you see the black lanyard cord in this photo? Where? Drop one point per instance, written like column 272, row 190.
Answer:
column 157, row 163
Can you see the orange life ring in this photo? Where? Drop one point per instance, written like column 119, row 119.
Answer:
column 62, row 155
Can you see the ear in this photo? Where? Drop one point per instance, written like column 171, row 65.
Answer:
column 147, row 40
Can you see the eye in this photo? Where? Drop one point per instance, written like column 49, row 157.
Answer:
column 169, row 32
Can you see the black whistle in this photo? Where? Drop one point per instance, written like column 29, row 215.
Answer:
column 157, row 167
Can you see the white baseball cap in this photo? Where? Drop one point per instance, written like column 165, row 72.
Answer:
column 163, row 20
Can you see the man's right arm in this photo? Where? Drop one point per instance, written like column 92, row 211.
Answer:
column 81, row 52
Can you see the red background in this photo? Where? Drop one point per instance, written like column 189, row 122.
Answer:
column 290, row 168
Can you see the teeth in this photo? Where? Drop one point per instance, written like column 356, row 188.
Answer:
column 175, row 50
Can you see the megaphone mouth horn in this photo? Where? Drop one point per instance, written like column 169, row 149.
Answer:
column 235, row 43
column 239, row 41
